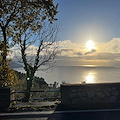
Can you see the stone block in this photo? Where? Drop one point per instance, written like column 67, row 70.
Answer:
column 73, row 91
column 85, row 100
column 113, row 99
column 90, row 94
column 81, row 94
column 114, row 88
column 100, row 94
column 105, row 99
column 79, row 90
column 108, row 89
column 106, row 92
column 96, row 100
column 98, row 90
column 115, row 93
column 73, row 95
column 75, row 101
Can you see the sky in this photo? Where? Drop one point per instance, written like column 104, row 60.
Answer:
column 84, row 20
column 88, row 20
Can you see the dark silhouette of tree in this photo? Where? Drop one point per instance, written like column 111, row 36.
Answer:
column 17, row 16
column 45, row 53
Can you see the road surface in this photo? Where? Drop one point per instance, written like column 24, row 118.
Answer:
column 103, row 114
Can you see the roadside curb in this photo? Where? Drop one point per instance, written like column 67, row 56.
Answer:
column 44, row 114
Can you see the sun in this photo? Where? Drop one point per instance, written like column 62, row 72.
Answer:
column 90, row 45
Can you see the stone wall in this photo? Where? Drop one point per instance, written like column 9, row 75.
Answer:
column 91, row 96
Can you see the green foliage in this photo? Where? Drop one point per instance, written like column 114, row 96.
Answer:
column 29, row 108
column 7, row 75
column 16, row 17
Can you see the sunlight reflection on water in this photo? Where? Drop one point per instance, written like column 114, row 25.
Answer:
column 89, row 78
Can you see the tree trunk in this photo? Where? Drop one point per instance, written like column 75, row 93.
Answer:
column 4, row 54
column 4, row 44
column 29, row 80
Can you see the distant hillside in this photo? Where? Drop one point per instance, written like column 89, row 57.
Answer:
column 15, row 65
column 38, row 80
column 22, row 76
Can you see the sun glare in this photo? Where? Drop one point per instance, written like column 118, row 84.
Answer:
column 90, row 79
column 90, row 45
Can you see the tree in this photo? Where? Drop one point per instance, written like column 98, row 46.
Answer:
column 11, row 76
column 46, row 48
column 16, row 16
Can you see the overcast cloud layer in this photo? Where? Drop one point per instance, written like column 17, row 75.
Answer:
column 72, row 53
column 104, row 53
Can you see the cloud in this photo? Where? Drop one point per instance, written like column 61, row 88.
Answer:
column 91, row 51
column 107, row 52
column 70, row 49
column 16, row 51
column 112, row 46
column 76, row 53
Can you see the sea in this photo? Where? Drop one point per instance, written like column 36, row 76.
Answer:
column 79, row 74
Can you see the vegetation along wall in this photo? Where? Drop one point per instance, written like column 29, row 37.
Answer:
column 91, row 96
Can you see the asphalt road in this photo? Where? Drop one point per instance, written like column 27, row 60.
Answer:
column 106, row 114
column 87, row 115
